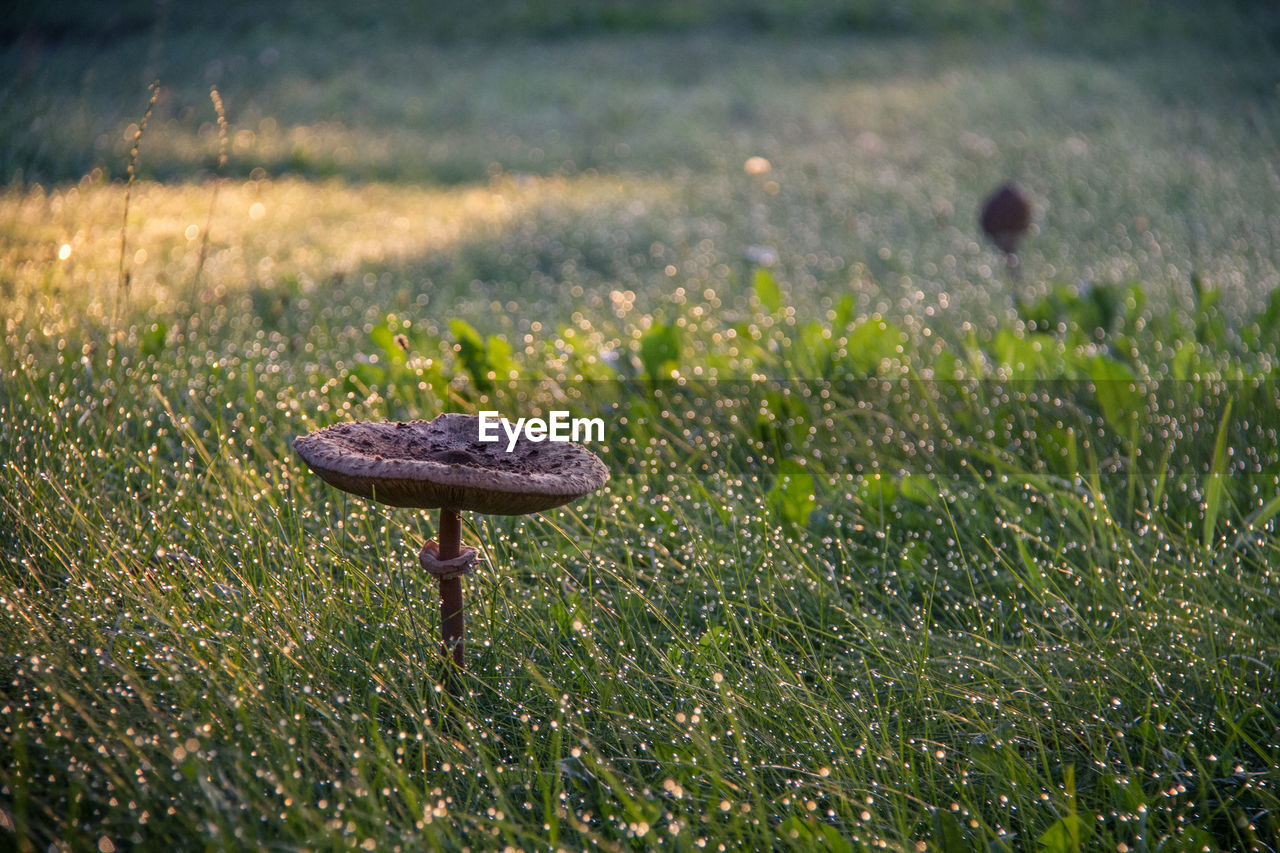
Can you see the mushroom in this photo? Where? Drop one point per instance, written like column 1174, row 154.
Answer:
column 442, row 464
column 1006, row 216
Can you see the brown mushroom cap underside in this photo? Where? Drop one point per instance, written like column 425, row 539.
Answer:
column 443, row 464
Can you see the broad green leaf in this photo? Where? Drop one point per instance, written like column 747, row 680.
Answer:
column 1185, row 361
column 1211, row 327
column 948, row 835
column 1213, row 488
column 877, row 491
column 780, row 416
column 872, row 342
column 1135, row 300
column 153, row 339
column 811, row 835
column 1059, row 448
column 913, row 558
column 659, row 347
column 1034, row 577
column 473, row 352
column 767, row 292
column 917, row 488
column 1029, row 355
column 814, row 353
column 793, row 493
column 499, row 353
column 386, row 341
column 1064, row 836
column 1117, row 391
column 715, row 637
column 844, row 316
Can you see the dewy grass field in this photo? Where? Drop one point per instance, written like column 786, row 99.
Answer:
column 899, row 551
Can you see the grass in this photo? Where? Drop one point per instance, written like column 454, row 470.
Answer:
column 897, row 552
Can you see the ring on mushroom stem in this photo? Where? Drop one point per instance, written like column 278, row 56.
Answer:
column 442, row 464
column 448, row 561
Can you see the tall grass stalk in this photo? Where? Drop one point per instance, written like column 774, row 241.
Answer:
column 124, row 274
column 217, row 183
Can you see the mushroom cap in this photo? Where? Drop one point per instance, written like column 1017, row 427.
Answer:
column 443, row 464
column 1006, row 216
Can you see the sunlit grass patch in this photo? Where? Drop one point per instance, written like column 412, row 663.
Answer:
column 63, row 243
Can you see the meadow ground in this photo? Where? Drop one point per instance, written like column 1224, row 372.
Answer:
column 900, row 550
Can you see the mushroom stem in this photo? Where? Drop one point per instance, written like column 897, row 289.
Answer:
column 451, row 619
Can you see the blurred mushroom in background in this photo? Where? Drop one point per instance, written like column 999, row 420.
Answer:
column 1006, row 216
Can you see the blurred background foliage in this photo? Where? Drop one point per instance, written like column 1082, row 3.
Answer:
column 452, row 20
